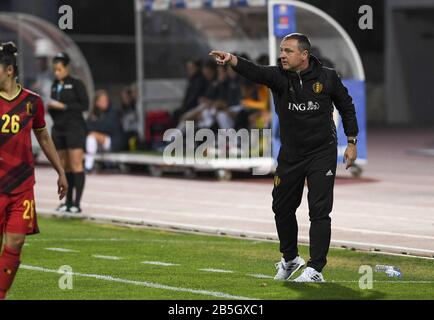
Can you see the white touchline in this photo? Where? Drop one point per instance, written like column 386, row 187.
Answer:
column 61, row 250
column 159, row 263
column 216, row 270
column 260, row 276
column 80, row 239
column 106, row 257
column 143, row 283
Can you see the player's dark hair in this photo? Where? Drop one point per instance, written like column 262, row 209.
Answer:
column 8, row 56
column 63, row 58
column 303, row 41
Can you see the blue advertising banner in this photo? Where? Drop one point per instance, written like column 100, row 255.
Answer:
column 356, row 89
column 283, row 20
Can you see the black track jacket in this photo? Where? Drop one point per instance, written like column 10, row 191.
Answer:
column 304, row 104
column 74, row 95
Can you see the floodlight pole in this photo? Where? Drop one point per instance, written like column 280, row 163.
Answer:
column 139, row 70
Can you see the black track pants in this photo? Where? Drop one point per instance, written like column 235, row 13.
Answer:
column 320, row 171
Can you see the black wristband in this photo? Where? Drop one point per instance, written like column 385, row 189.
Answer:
column 352, row 141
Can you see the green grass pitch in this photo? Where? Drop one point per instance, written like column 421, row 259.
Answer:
column 91, row 250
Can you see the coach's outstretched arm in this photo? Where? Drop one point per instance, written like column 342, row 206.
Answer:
column 265, row 75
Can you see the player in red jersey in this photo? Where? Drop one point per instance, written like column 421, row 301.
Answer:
column 20, row 111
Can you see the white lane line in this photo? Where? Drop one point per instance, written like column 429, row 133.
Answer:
column 260, row 276
column 245, row 219
column 60, row 250
column 216, row 270
column 81, row 239
column 261, row 207
column 143, row 283
column 106, row 257
column 379, row 246
column 134, row 240
column 159, row 263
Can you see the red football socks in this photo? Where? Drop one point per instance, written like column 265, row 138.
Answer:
column 9, row 263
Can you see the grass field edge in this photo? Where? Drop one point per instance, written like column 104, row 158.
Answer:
column 212, row 231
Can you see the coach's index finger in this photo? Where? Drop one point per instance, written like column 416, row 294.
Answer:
column 219, row 54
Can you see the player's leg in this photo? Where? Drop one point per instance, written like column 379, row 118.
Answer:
column 10, row 261
column 20, row 219
column 320, row 179
column 76, row 141
column 76, row 162
column 287, row 194
column 4, row 202
column 95, row 140
column 91, row 150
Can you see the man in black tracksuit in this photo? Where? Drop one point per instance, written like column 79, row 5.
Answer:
column 304, row 92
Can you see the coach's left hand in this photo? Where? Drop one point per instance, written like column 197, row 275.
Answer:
column 350, row 155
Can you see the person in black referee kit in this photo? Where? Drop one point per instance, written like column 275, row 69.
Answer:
column 304, row 92
column 68, row 102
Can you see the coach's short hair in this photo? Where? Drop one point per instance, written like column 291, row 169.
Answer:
column 303, row 41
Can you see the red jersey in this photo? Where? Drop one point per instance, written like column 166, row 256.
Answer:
column 18, row 116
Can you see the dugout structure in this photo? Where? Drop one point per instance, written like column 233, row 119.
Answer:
column 168, row 32
column 38, row 38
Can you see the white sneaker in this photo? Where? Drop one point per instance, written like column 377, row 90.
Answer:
column 62, row 208
column 286, row 269
column 310, row 275
column 74, row 209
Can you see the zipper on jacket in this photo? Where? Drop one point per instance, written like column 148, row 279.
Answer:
column 301, row 81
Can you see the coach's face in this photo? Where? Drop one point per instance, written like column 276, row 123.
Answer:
column 290, row 55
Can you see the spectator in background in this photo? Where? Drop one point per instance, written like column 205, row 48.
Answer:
column 196, row 87
column 199, row 113
column 214, row 102
column 233, row 94
column 129, row 119
column 252, row 109
column 104, row 129
column 44, row 49
column 209, row 71
column 43, row 80
column 263, row 60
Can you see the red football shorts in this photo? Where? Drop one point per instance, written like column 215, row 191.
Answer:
column 17, row 213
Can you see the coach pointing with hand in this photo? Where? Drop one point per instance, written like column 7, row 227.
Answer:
column 304, row 92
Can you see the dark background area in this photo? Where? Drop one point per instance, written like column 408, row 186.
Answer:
column 104, row 32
